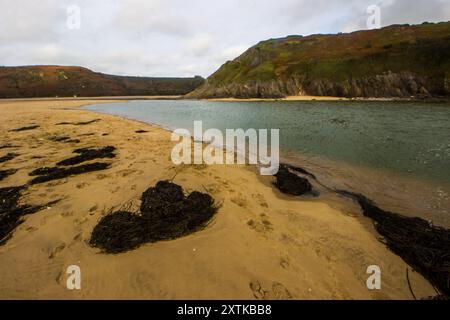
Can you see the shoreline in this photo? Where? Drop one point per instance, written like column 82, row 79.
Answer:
column 421, row 197
column 100, row 98
column 329, row 98
column 288, row 98
column 291, row 248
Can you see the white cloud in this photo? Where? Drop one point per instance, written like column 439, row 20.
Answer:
column 22, row 20
column 200, row 44
column 176, row 37
column 145, row 17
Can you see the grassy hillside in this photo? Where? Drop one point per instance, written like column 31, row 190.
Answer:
column 399, row 60
column 51, row 81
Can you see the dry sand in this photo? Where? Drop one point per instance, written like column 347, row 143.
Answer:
column 261, row 244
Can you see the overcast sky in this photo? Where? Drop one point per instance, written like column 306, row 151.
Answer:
column 178, row 37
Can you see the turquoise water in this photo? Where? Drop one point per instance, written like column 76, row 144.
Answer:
column 408, row 139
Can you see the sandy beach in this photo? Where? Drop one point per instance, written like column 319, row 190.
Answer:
column 261, row 244
column 288, row 98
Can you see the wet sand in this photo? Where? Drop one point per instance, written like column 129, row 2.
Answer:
column 261, row 245
column 308, row 98
column 390, row 190
column 289, row 98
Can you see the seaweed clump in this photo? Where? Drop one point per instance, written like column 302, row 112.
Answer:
column 290, row 183
column 87, row 154
column 43, row 171
column 81, row 123
column 6, row 173
column 8, row 157
column 49, row 174
column 8, row 146
column 27, row 128
column 11, row 212
column 423, row 246
column 165, row 214
column 64, row 139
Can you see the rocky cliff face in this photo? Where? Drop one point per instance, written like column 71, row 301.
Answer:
column 395, row 85
column 397, row 61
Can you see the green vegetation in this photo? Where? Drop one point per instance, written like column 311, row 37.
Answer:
column 343, row 64
column 51, row 81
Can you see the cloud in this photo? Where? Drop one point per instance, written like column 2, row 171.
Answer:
column 414, row 12
column 22, row 20
column 151, row 16
column 176, row 37
column 200, row 44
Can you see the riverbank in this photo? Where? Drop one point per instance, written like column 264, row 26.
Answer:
column 328, row 98
column 262, row 244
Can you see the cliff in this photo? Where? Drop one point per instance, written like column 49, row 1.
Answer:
column 51, row 81
column 396, row 61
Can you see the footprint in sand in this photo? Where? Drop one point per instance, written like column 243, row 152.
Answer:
column 93, row 210
column 31, row 229
column 145, row 282
column 263, row 225
column 78, row 237
column 212, row 188
column 82, row 185
column 260, row 200
column 278, row 291
column 80, row 222
column 66, row 214
column 57, row 183
column 285, row 262
column 57, row 250
column 127, row 172
column 239, row 200
column 257, row 290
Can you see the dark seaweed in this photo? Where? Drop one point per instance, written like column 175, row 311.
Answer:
column 43, row 171
column 64, row 139
column 59, row 138
column 60, row 173
column 32, row 127
column 87, row 154
column 81, row 123
column 9, row 157
column 423, row 246
column 166, row 214
column 6, row 173
column 8, row 146
column 12, row 213
column 290, row 183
